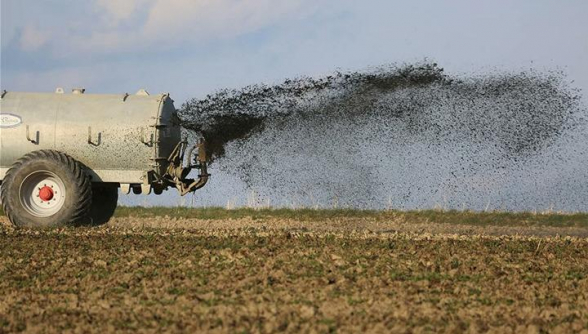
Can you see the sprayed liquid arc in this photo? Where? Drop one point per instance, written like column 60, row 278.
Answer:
column 409, row 137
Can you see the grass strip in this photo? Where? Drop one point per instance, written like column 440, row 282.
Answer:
column 496, row 218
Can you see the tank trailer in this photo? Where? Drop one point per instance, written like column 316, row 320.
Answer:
column 63, row 157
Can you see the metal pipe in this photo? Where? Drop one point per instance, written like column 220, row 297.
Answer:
column 34, row 141
column 202, row 165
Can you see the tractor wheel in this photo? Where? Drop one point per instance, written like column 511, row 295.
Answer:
column 45, row 189
column 104, row 200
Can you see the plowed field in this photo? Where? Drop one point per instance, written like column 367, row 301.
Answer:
column 346, row 275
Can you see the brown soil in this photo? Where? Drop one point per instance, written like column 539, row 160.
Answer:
column 244, row 275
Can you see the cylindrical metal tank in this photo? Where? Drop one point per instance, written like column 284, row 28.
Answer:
column 119, row 138
column 64, row 156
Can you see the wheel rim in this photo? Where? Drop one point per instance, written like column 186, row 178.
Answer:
column 42, row 193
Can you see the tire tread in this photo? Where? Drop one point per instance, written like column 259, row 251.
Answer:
column 83, row 184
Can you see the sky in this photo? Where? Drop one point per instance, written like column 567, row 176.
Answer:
column 191, row 48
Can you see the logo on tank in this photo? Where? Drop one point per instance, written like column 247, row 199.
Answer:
column 9, row 120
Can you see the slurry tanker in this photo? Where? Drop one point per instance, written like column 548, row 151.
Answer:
column 64, row 156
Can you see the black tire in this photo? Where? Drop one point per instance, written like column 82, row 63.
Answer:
column 24, row 208
column 104, row 200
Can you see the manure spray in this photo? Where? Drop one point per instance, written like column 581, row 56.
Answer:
column 406, row 137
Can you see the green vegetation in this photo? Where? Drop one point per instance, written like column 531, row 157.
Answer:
column 422, row 216
column 494, row 218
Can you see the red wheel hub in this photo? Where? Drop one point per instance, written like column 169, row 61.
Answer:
column 46, row 193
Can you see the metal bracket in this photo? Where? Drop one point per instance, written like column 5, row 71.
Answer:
column 148, row 143
column 90, row 137
column 145, row 189
column 34, row 141
column 125, row 188
column 202, row 165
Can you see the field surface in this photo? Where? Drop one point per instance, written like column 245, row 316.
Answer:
column 345, row 271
